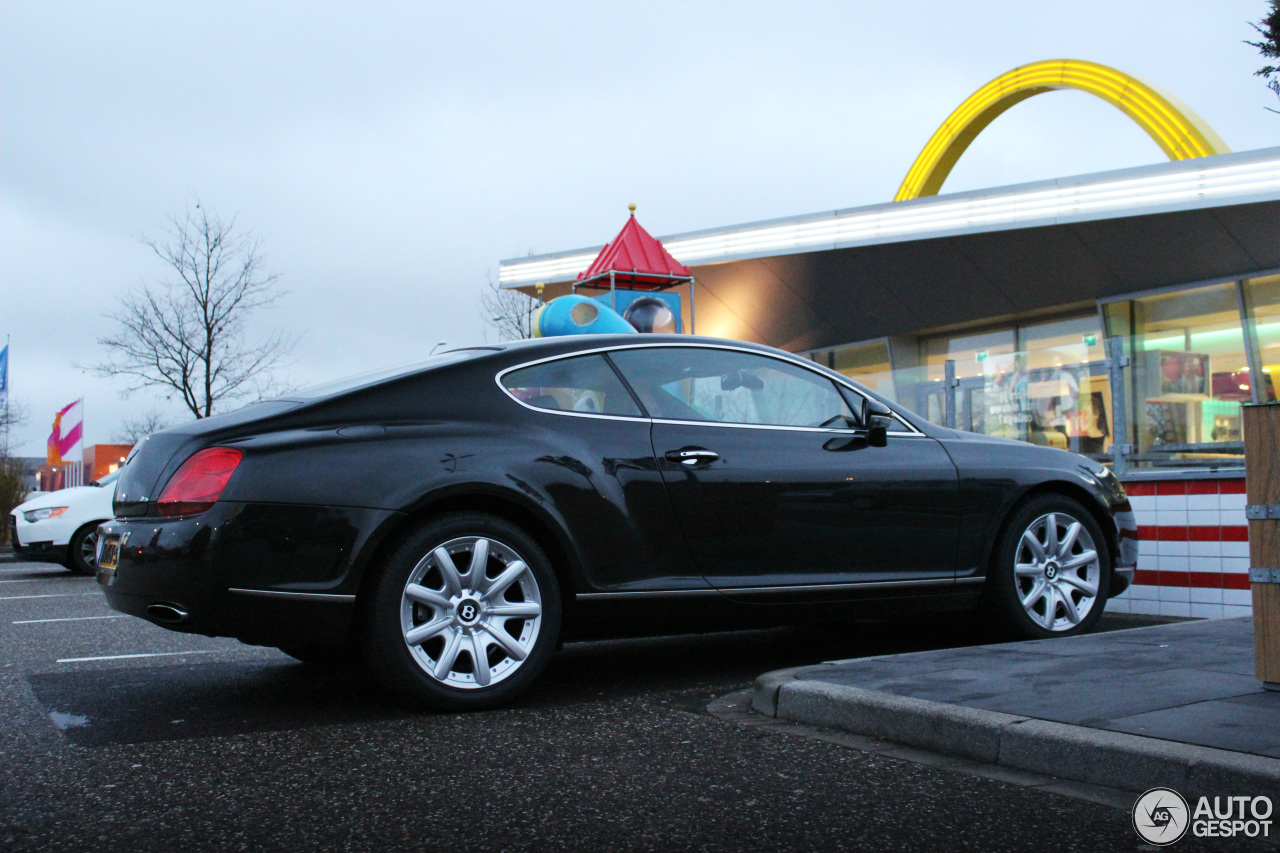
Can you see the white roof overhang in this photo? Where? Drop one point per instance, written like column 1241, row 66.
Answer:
column 1207, row 182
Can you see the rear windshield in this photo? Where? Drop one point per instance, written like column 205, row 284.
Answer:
column 372, row 377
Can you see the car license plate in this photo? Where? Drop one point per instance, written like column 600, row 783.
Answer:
column 110, row 555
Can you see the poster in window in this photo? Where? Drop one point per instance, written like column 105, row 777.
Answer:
column 1179, row 375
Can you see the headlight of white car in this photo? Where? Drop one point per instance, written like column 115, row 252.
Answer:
column 43, row 513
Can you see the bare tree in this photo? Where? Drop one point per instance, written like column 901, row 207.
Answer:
column 138, row 427
column 187, row 335
column 13, row 471
column 12, row 416
column 508, row 312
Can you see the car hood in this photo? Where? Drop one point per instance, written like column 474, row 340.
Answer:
column 75, row 496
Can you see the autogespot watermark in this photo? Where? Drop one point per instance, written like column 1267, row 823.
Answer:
column 1162, row 816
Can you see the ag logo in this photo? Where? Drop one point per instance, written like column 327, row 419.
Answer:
column 1160, row 816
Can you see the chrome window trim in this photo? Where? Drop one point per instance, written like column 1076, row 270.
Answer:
column 806, row 364
column 505, row 390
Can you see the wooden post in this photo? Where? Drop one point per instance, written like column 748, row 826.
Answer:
column 1262, row 469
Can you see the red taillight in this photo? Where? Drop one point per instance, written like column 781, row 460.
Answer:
column 196, row 485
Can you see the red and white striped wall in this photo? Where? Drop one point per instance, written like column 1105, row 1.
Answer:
column 1193, row 551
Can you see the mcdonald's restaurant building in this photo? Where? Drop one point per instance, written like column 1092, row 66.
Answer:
column 1125, row 315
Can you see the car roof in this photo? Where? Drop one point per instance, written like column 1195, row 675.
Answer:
column 509, row 353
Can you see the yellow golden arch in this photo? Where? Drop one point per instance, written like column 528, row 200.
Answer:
column 1179, row 132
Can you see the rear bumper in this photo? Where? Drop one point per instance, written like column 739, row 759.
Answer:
column 265, row 574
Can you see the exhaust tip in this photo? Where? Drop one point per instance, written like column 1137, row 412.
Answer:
column 170, row 614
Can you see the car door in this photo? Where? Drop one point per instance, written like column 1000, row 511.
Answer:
column 769, row 483
column 585, row 450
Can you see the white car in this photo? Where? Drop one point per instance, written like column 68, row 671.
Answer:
column 62, row 526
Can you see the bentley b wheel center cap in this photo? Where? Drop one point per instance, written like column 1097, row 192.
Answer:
column 1051, row 571
column 468, row 611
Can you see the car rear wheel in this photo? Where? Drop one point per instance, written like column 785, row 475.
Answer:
column 464, row 614
column 82, row 550
column 1050, row 570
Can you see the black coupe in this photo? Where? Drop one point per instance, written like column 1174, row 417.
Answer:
column 454, row 520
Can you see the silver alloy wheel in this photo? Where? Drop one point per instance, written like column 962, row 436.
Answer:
column 1057, row 571
column 89, row 549
column 471, row 628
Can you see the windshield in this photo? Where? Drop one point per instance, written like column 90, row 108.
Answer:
column 372, row 377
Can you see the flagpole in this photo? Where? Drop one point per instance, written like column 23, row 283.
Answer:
column 8, row 425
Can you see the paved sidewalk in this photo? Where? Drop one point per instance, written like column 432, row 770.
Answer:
column 1171, row 705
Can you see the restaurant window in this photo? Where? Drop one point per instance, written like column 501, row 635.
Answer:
column 1262, row 302
column 967, row 351
column 1189, row 373
column 1069, row 390
column 1044, row 382
column 866, row 363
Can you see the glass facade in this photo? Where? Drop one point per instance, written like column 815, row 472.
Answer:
column 1183, row 365
column 868, row 363
column 1188, row 374
column 1262, row 307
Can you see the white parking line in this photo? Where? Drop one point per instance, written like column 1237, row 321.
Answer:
column 25, row 580
column 69, row 619
column 50, row 595
column 148, row 655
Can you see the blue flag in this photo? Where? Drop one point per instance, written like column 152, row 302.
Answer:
column 4, row 375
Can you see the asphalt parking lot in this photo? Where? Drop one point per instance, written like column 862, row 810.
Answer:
column 120, row 735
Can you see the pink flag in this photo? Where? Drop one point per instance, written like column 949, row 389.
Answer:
column 68, row 425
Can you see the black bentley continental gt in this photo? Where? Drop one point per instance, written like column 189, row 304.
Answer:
column 453, row 521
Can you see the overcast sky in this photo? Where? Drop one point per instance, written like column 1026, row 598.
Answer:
column 390, row 154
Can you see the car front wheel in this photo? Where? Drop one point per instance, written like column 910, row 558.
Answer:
column 1050, row 570
column 463, row 615
column 82, row 550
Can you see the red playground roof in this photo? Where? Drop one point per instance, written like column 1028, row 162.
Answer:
column 636, row 258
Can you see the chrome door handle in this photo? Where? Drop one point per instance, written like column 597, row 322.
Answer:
column 691, row 456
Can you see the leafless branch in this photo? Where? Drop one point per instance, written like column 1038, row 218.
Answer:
column 13, row 415
column 509, row 313
column 186, row 335
column 139, row 426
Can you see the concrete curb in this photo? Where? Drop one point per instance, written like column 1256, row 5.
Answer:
column 1098, row 757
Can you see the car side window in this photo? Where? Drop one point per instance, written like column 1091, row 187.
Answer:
column 584, row 383
column 726, row 386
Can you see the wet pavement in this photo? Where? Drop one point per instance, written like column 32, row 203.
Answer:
column 118, row 734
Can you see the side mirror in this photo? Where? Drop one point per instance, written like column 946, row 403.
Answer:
column 876, row 418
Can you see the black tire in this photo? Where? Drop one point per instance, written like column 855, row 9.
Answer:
column 81, row 550
column 388, row 615
column 1005, row 589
